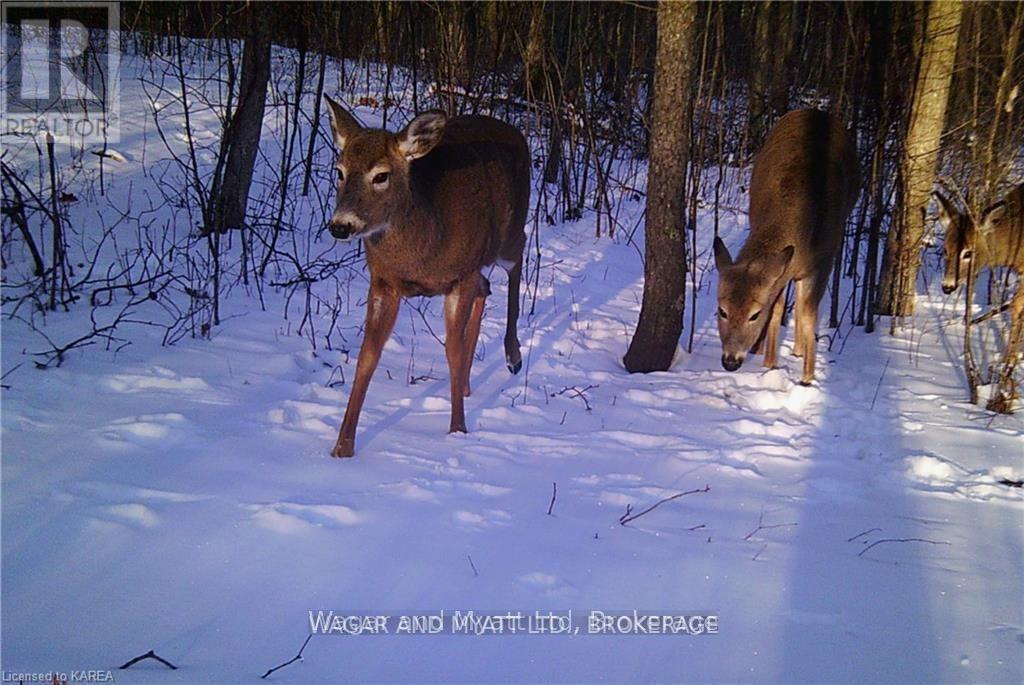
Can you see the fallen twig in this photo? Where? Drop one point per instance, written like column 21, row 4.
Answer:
column 879, row 384
column 554, row 494
column 576, row 392
column 761, row 526
column 883, row 540
column 8, row 373
column 297, row 657
column 473, row 566
column 627, row 517
column 148, row 655
column 869, row 530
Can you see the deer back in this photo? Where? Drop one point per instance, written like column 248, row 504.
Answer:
column 1002, row 229
column 805, row 182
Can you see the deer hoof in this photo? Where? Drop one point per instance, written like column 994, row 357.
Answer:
column 344, row 449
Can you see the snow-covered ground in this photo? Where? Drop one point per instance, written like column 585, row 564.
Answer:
column 181, row 498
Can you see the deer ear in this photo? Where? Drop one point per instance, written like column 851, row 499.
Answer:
column 343, row 124
column 722, row 258
column 779, row 262
column 993, row 215
column 421, row 134
column 946, row 209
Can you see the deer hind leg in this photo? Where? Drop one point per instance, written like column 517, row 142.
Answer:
column 771, row 331
column 458, row 304
column 381, row 312
column 799, row 348
column 476, row 314
column 513, row 357
column 808, row 296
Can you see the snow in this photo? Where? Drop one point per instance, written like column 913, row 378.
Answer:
column 181, row 498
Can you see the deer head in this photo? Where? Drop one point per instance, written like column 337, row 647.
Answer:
column 958, row 243
column 746, row 293
column 373, row 170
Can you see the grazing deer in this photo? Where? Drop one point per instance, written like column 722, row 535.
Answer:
column 969, row 249
column 435, row 204
column 804, row 185
column 998, row 240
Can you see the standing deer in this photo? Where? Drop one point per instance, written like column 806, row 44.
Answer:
column 998, row 240
column 804, row 185
column 435, row 204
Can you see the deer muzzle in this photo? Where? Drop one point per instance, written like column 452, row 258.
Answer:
column 731, row 362
column 344, row 224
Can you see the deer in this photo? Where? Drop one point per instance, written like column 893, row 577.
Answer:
column 805, row 183
column 434, row 205
column 996, row 241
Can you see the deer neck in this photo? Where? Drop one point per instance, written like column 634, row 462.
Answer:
column 415, row 232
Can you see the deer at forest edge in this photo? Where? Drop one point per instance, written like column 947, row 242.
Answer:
column 998, row 240
column 804, row 185
column 434, row 204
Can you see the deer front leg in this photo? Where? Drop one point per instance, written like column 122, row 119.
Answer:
column 457, row 307
column 771, row 337
column 381, row 312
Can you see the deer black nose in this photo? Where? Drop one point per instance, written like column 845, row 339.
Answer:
column 730, row 363
column 341, row 231
column 946, row 288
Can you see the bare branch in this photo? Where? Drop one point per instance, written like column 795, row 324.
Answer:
column 884, row 540
column 626, row 518
column 148, row 655
column 297, row 657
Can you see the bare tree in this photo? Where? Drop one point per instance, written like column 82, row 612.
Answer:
column 927, row 118
column 661, row 314
column 242, row 132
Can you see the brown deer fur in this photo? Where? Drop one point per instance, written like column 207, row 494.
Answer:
column 997, row 241
column 805, row 183
column 435, row 203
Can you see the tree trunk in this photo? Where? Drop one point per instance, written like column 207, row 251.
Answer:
column 661, row 314
column 927, row 117
column 781, row 57
column 243, row 129
column 533, row 55
column 995, row 171
column 759, row 113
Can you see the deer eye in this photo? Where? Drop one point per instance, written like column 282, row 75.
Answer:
column 381, row 178
column 753, row 317
column 722, row 314
column 966, row 254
